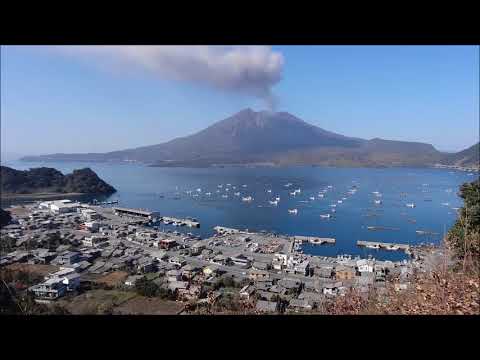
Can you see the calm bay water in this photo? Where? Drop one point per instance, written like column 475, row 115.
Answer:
column 164, row 190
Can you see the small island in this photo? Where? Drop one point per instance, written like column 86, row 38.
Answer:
column 44, row 183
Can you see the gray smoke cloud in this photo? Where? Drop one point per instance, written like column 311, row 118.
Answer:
column 252, row 70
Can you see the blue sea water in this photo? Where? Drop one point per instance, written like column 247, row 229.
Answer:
column 164, row 190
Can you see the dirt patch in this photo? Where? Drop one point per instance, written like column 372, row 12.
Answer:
column 96, row 302
column 37, row 269
column 115, row 278
column 149, row 306
column 18, row 210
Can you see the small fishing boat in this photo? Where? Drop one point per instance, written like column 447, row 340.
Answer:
column 269, row 190
column 333, row 210
column 378, row 202
column 446, row 204
column 247, row 198
column 292, row 211
column 208, row 193
column 339, row 201
column 199, row 190
column 273, row 202
column 236, row 194
column 244, row 185
column 321, row 195
column 293, row 193
column 333, row 205
column 410, row 205
column 325, row 216
column 225, row 196
column 277, row 198
column 312, row 197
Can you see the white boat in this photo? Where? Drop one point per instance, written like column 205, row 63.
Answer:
column 325, row 216
column 277, row 198
column 344, row 198
column 225, row 196
column 373, row 246
column 229, row 184
column 321, row 195
column 312, row 197
column 411, row 205
column 293, row 193
column 292, row 211
column 376, row 192
column 208, row 193
column 298, row 191
column 220, row 186
column 446, row 204
column 247, row 198
column 288, row 185
column 377, row 201
column 189, row 192
column 269, row 190
column 244, row 185
column 330, row 186
column 236, row 194
column 199, row 190
column 378, row 195
column 339, row 201
column 333, row 210
column 273, row 202
column 333, row 205
column 218, row 191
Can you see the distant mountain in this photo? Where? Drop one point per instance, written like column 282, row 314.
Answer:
column 465, row 158
column 49, row 180
column 267, row 137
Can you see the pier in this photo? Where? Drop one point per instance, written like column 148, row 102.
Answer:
column 314, row 240
column 383, row 245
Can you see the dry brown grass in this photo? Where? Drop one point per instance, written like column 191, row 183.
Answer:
column 113, row 279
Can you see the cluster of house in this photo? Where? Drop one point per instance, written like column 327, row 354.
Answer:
column 277, row 280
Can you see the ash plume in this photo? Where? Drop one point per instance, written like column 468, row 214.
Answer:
column 251, row 70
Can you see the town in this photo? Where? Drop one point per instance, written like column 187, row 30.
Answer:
column 266, row 273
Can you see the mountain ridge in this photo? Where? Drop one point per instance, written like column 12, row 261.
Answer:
column 264, row 136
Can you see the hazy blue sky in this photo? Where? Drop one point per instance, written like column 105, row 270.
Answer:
column 83, row 101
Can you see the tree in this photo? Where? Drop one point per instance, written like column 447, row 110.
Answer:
column 146, row 288
column 464, row 236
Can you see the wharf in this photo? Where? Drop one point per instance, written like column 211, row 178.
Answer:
column 314, row 240
column 384, row 245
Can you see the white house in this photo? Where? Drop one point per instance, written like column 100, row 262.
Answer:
column 365, row 265
column 94, row 240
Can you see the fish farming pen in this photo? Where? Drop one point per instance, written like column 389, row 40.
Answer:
column 384, row 246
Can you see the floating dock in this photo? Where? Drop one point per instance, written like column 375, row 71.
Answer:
column 181, row 222
column 314, row 240
column 384, row 246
